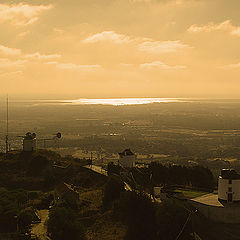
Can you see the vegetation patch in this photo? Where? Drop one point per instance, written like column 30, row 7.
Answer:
column 189, row 194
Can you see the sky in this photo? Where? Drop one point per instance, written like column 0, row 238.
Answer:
column 120, row 48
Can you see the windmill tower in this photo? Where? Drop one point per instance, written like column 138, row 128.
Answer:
column 127, row 158
column 29, row 142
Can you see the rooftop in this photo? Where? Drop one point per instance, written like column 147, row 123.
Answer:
column 229, row 174
column 30, row 136
column 208, row 199
column 126, row 152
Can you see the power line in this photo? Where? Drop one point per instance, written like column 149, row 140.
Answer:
column 185, row 224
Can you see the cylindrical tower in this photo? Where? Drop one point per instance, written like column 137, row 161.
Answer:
column 29, row 142
column 229, row 187
column 127, row 158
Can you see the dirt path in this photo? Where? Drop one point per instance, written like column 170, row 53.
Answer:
column 39, row 229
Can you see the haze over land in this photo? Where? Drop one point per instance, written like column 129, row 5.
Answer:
column 185, row 131
column 116, row 118
column 120, row 48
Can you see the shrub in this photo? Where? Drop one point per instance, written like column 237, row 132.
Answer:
column 25, row 217
column 112, row 190
column 138, row 212
column 63, row 224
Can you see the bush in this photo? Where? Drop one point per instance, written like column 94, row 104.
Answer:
column 112, row 190
column 33, row 195
column 170, row 218
column 138, row 213
column 38, row 163
column 63, row 224
column 113, row 169
column 26, row 217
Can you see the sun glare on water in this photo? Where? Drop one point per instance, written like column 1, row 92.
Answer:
column 122, row 101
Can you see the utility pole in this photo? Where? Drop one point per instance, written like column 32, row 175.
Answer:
column 7, row 129
column 91, row 159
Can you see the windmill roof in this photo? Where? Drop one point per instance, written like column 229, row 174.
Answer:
column 126, row 152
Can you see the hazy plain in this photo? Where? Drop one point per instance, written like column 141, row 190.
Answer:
column 178, row 130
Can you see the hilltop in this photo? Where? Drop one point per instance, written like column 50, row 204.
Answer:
column 43, row 170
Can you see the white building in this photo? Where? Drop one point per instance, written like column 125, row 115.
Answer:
column 127, row 159
column 29, row 142
column 229, row 187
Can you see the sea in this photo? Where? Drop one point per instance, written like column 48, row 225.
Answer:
column 123, row 101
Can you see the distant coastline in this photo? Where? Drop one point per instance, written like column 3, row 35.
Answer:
column 124, row 101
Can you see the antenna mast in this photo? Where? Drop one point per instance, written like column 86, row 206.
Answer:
column 7, row 129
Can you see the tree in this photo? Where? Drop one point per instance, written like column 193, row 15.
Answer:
column 113, row 169
column 112, row 190
column 63, row 224
column 138, row 213
column 170, row 218
column 38, row 163
column 26, row 217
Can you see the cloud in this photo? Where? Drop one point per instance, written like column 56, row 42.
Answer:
column 107, row 36
column 9, row 51
column 162, row 46
column 11, row 73
column 7, row 63
column 160, row 65
column 58, row 30
column 73, row 66
column 39, row 56
column 23, row 34
column 143, row 44
column 139, row 1
column 167, row 2
column 126, row 64
column 21, row 58
column 21, row 14
column 231, row 66
column 210, row 27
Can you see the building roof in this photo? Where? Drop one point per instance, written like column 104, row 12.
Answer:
column 126, row 152
column 30, row 136
column 230, row 174
column 208, row 199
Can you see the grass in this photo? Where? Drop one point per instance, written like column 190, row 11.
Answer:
column 99, row 224
column 190, row 193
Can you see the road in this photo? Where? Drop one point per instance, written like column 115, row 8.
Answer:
column 39, row 230
column 97, row 169
column 102, row 171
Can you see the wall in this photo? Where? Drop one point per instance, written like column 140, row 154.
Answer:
column 29, row 145
column 127, row 161
column 223, row 185
column 218, row 213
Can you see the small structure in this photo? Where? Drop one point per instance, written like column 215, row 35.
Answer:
column 29, row 142
column 127, row 159
column 160, row 193
column 229, row 187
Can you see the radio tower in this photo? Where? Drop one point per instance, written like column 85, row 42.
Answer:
column 7, row 129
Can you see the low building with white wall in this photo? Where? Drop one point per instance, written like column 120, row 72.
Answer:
column 223, row 207
column 29, row 142
column 127, row 159
column 229, row 187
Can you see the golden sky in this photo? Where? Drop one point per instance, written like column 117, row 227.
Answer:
column 120, row 48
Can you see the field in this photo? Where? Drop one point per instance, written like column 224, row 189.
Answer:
column 189, row 194
column 190, row 133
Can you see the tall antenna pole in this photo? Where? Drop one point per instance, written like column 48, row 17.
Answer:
column 7, row 129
